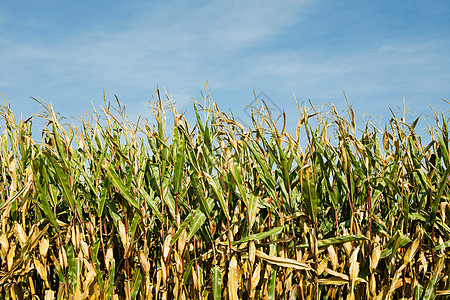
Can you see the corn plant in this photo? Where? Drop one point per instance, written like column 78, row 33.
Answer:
column 108, row 208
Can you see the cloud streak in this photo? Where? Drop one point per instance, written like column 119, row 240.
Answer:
column 236, row 45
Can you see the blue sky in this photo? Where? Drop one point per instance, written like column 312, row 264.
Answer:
column 378, row 52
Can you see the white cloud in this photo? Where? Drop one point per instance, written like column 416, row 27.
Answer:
column 181, row 45
column 177, row 46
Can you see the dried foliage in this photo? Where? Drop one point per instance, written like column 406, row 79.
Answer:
column 116, row 210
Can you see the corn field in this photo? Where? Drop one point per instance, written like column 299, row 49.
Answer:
column 114, row 209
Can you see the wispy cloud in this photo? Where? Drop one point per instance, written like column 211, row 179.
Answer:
column 179, row 46
column 235, row 45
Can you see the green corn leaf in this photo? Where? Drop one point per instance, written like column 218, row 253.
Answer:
column 252, row 209
column 86, row 177
column 330, row 190
column 101, row 203
column 168, row 197
column 442, row 246
column 59, row 144
column 393, row 184
column 113, row 212
column 357, row 165
column 438, row 198
column 216, row 283
column 118, row 183
column 151, row 202
column 268, row 184
column 262, row 164
column 213, row 183
column 412, row 152
column 272, row 282
column 430, row 291
column 100, row 162
column 418, row 216
column 444, row 150
column 418, row 292
column 284, row 167
column 444, row 228
column 444, row 127
column 339, row 178
column 134, row 223
column 111, row 279
column 199, row 120
column 336, row 240
column 271, row 151
column 136, row 284
column 187, row 271
column 179, row 165
column 236, row 173
column 180, row 230
column 201, row 194
column 64, row 183
column 258, row 236
column 400, row 240
column 72, row 267
column 405, row 201
column 197, row 221
column 424, row 179
column 96, row 262
column 142, row 161
column 397, row 241
column 309, row 195
column 45, row 204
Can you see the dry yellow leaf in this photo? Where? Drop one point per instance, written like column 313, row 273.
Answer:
column 396, row 281
column 348, row 248
column 89, row 279
column 442, row 292
column 251, row 252
column 354, row 270
column 411, row 252
column 145, row 264
column 42, row 271
column 21, row 235
column 109, row 257
column 333, row 256
column 164, row 272
column 337, row 274
column 424, row 262
column 255, row 277
column 182, row 241
column 158, row 282
column 322, row 266
column 372, row 285
column 375, row 258
column 178, row 262
column 74, row 238
column 16, row 291
column 166, row 247
column 84, row 248
column 233, row 279
column 333, row 281
column 123, row 235
column 62, row 257
column 10, row 256
column 43, row 247
column 49, row 295
column 128, row 289
column 283, row 262
column 4, row 242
